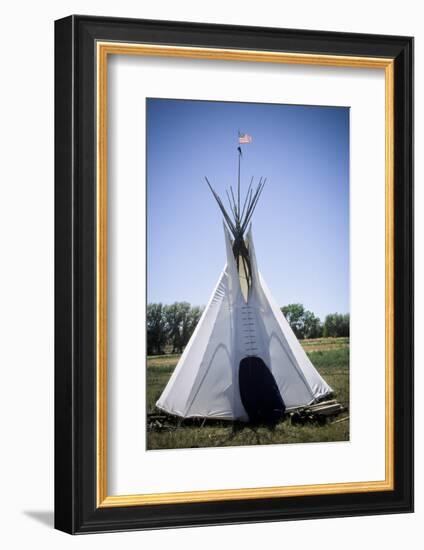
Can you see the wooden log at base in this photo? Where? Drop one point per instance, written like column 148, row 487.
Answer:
column 323, row 404
column 319, row 412
column 341, row 420
column 328, row 410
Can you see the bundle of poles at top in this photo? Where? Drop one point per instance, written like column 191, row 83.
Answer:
column 237, row 218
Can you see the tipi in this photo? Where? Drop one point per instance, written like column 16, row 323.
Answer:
column 243, row 361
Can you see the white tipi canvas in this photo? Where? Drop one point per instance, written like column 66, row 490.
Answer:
column 237, row 324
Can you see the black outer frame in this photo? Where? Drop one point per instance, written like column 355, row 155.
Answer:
column 75, row 275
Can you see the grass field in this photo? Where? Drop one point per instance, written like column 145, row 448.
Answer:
column 329, row 355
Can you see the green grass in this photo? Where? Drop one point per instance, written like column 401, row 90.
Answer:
column 329, row 355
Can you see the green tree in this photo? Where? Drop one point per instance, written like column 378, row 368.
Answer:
column 156, row 329
column 190, row 323
column 312, row 326
column 173, row 316
column 336, row 325
column 302, row 321
column 345, row 325
column 181, row 320
column 294, row 313
column 170, row 325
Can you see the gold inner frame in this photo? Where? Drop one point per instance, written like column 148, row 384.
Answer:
column 104, row 49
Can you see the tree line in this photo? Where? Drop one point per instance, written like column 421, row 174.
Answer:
column 169, row 327
column 306, row 325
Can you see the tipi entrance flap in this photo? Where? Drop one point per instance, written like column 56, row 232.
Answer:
column 259, row 392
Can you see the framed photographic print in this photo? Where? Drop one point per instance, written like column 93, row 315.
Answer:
column 233, row 272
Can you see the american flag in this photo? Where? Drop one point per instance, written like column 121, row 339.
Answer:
column 245, row 138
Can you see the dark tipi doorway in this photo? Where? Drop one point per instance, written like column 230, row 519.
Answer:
column 259, row 392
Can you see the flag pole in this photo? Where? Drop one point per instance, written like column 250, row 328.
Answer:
column 238, row 186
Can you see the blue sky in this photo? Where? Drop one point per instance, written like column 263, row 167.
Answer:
column 301, row 223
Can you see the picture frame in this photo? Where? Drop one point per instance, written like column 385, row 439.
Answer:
column 83, row 45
